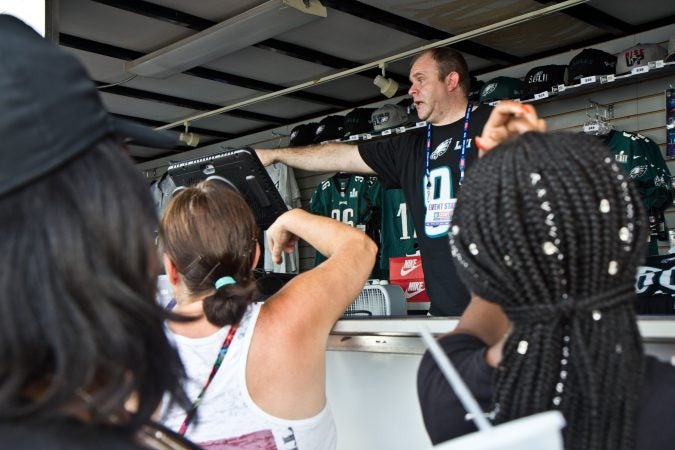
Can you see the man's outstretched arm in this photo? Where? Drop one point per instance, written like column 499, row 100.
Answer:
column 331, row 157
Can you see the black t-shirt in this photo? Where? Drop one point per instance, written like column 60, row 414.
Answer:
column 444, row 415
column 70, row 434
column 400, row 163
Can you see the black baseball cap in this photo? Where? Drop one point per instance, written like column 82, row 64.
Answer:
column 50, row 110
column 590, row 62
column 543, row 78
column 358, row 121
column 303, row 134
column 330, row 128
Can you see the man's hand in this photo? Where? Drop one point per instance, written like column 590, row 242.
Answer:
column 508, row 119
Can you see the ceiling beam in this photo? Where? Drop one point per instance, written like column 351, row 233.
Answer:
column 192, row 22
column 184, row 103
column 593, row 16
column 152, row 10
column 158, row 123
column 324, row 59
column 419, row 30
column 201, row 72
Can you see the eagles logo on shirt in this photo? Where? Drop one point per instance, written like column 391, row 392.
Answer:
column 441, row 149
column 638, row 171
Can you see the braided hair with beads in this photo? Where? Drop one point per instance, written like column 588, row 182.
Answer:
column 556, row 242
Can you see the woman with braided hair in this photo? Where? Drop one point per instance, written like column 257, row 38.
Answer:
column 550, row 257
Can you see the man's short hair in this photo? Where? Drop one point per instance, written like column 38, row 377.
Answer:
column 448, row 61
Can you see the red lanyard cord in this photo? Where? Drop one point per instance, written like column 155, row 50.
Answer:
column 216, row 365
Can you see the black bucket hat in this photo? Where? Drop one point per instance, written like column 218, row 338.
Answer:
column 50, row 110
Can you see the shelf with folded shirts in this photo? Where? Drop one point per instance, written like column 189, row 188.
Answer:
column 594, row 83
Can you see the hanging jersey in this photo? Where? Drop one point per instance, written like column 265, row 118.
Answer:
column 643, row 162
column 397, row 235
column 284, row 180
column 350, row 199
column 162, row 191
column 227, row 416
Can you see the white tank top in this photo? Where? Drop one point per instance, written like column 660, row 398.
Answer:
column 227, row 418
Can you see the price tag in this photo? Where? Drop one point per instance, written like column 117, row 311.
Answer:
column 367, row 136
column 607, row 79
column 639, row 70
column 588, row 128
column 354, row 137
column 541, row 95
column 659, row 64
column 494, row 103
column 561, row 87
column 517, row 100
column 421, row 124
column 387, row 132
column 400, row 129
column 588, row 80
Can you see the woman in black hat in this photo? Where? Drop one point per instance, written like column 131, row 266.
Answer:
column 84, row 360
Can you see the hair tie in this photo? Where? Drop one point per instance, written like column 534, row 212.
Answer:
column 224, row 281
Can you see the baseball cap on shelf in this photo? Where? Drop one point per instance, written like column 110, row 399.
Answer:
column 410, row 110
column 303, row 134
column 671, row 49
column 590, row 62
column 330, row 128
column 638, row 56
column 389, row 116
column 50, row 110
column 501, row 88
column 543, row 78
column 358, row 121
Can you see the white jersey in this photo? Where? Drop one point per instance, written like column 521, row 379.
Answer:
column 284, row 180
column 227, row 418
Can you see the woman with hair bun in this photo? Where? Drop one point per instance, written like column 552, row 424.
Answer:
column 256, row 370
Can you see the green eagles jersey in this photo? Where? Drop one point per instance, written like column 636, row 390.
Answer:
column 643, row 162
column 397, row 235
column 351, row 199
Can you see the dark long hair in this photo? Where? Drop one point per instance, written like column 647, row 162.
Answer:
column 549, row 227
column 209, row 232
column 80, row 330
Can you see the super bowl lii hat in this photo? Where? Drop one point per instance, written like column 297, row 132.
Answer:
column 358, row 121
column 638, row 56
column 543, row 78
column 50, row 110
column 590, row 62
column 501, row 88
column 303, row 134
column 389, row 116
column 330, row 128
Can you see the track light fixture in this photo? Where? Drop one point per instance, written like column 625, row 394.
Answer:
column 190, row 139
column 388, row 87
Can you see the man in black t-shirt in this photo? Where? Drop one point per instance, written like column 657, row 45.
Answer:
column 440, row 86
